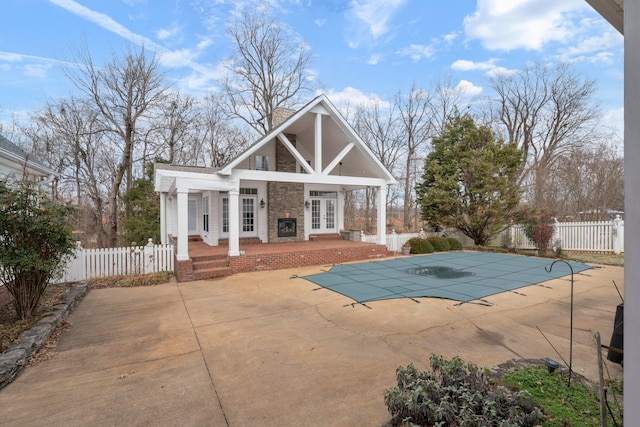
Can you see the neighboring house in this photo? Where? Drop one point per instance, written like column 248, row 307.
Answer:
column 286, row 187
column 16, row 164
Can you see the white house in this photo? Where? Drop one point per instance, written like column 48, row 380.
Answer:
column 16, row 164
column 286, row 187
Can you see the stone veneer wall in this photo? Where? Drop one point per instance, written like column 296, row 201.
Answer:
column 286, row 199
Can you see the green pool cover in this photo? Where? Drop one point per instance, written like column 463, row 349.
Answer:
column 459, row 276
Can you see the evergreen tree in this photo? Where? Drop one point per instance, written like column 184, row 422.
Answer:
column 469, row 180
column 142, row 216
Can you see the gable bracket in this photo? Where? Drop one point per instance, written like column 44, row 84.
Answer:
column 295, row 153
column 338, row 158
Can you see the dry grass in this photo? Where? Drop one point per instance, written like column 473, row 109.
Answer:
column 595, row 258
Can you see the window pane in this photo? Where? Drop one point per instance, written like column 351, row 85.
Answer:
column 315, row 214
column 225, row 215
column 330, row 221
column 247, row 215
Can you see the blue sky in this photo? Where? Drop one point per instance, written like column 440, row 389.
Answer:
column 362, row 49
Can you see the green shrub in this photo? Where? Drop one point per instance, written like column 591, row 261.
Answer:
column 440, row 244
column 456, row 394
column 454, row 244
column 420, row 246
column 35, row 243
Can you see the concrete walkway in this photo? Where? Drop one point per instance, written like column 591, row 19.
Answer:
column 268, row 349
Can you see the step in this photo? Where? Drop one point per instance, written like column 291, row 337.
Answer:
column 243, row 241
column 323, row 237
column 207, row 264
column 212, row 273
column 212, row 257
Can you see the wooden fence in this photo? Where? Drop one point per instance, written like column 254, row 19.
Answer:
column 96, row 263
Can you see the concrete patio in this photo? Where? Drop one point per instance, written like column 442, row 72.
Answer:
column 270, row 349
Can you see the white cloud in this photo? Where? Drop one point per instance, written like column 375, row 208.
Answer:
column 489, row 66
column 164, row 33
column 351, row 97
column 417, row 52
column 37, row 70
column 10, row 56
column 600, row 45
column 466, row 65
column 371, row 19
column 466, row 88
column 319, row 22
column 528, row 24
column 103, row 21
column 450, row 38
column 374, row 59
column 375, row 13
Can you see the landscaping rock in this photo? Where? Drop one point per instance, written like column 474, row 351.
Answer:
column 17, row 355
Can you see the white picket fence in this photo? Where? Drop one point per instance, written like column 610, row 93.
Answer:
column 96, row 263
column 596, row 236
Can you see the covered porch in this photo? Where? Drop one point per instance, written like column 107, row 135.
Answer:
column 206, row 262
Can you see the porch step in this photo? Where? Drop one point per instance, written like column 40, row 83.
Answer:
column 203, row 264
column 323, row 237
column 210, row 266
column 243, row 241
column 195, row 239
column 211, row 273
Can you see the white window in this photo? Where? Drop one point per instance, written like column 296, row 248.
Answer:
column 205, row 213
column 262, row 163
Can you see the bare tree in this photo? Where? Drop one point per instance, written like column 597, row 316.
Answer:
column 415, row 118
column 170, row 131
column 69, row 135
column 122, row 91
column 588, row 182
column 546, row 111
column 267, row 70
column 381, row 130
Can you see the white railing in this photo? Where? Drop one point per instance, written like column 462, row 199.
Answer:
column 96, row 263
column 396, row 240
column 596, row 236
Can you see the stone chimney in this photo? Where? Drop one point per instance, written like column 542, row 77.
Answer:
column 280, row 115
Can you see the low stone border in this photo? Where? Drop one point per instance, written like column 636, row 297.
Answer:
column 15, row 358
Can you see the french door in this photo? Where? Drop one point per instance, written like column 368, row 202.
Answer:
column 247, row 212
column 323, row 216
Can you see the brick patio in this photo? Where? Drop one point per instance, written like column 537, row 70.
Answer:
column 208, row 262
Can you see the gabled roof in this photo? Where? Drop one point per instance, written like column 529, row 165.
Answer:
column 20, row 159
column 368, row 164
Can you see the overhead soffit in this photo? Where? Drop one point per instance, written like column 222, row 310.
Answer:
column 611, row 10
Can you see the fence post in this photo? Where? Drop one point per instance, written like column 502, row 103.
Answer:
column 79, row 263
column 555, row 233
column 618, row 235
column 394, row 241
column 148, row 258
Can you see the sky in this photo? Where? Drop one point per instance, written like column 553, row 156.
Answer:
column 362, row 50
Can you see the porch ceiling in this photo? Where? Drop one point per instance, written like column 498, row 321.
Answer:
column 612, row 11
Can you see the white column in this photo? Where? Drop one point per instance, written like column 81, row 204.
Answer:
column 234, row 223
column 340, row 210
column 182, row 226
column 632, row 211
column 318, row 144
column 381, row 198
column 163, row 218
